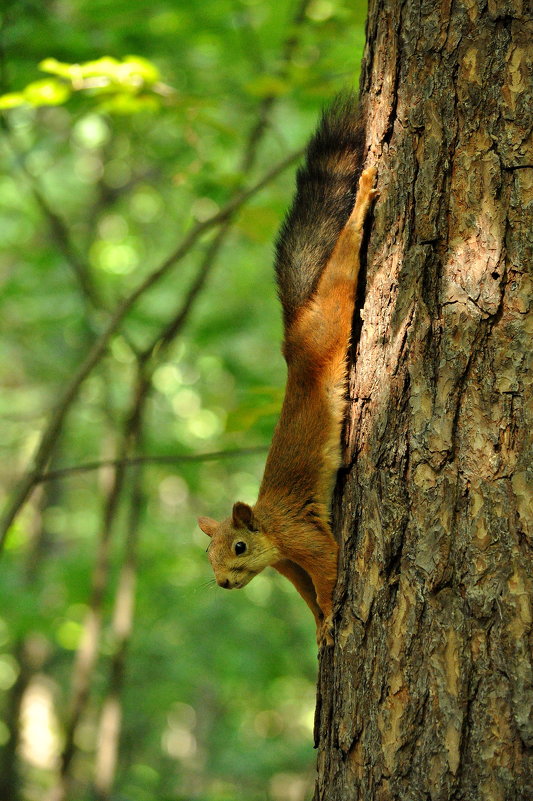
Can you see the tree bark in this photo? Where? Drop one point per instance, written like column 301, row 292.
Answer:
column 428, row 691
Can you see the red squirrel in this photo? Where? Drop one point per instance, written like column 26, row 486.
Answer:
column 317, row 266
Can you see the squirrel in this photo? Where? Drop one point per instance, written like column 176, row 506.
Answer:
column 317, row 266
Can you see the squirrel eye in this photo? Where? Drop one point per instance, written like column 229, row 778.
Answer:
column 240, row 548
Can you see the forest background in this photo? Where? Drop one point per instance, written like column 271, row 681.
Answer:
column 122, row 667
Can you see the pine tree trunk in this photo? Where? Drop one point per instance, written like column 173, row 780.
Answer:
column 428, row 692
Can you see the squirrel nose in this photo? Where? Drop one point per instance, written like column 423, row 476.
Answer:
column 225, row 584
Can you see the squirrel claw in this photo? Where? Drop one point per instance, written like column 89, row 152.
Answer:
column 325, row 633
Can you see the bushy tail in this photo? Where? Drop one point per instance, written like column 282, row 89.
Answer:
column 325, row 195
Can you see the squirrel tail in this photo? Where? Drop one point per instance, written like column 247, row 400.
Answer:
column 325, row 195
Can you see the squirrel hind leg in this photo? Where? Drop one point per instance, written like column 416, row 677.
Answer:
column 343, row 264
column 366, row 194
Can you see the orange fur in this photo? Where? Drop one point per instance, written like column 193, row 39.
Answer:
column 288, row 527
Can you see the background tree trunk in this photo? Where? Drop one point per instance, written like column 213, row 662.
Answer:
column 428, row 693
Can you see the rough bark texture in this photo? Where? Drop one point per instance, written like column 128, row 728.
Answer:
column 428, row 692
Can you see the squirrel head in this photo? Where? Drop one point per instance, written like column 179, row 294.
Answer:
column 239, row 548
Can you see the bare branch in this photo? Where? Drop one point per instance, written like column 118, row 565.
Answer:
column 62, row 238
column 121, row 628
column 58, row 228
column 132, row 461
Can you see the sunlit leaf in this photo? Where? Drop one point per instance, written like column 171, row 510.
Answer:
column 106, row 66
column 12, row 100
column 48, row 92
column 56, row 67
column 132, row 73
column 142, row 67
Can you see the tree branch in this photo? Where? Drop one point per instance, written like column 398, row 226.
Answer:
column 87, row 653
column 50, row 434
column 121, row 629
column 132, row 461
column 62, row 238
column 58, row 229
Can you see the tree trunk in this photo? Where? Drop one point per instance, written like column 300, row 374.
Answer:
column 428, row 692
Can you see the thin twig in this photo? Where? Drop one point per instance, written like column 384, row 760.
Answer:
column 175, row 325
column 58, row 228
column 62, row 238
column 122, row 626
column 132, row 461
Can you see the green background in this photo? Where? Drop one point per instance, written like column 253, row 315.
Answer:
column 217, row 689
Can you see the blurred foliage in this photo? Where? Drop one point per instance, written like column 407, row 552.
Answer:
column 106, row 163
column 125, row 85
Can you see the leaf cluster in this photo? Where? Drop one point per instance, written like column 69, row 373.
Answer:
column 127, row 86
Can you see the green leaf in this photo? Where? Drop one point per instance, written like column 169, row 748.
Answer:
column 56, row 67
column 106, row 66
column 142, row 67
column 132, row 71
column 12, row 100
column 48, row 92
column 107, row 74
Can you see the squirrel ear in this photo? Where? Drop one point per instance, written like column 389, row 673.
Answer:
column 208, row 525
column 243, row 517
